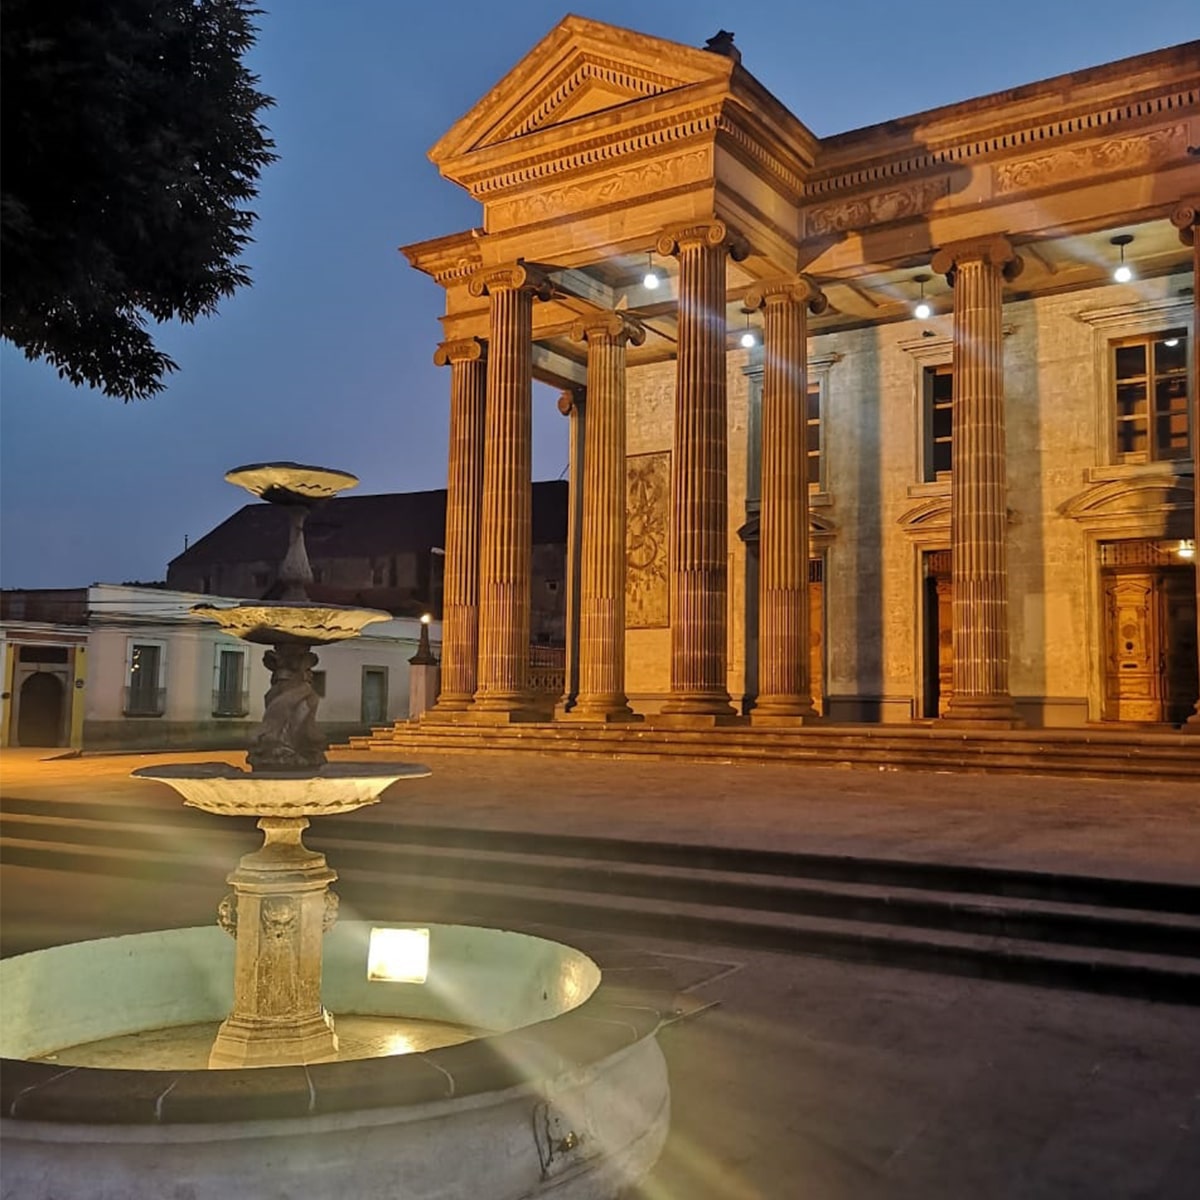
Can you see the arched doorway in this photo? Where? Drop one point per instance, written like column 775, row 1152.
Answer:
column 40, row 715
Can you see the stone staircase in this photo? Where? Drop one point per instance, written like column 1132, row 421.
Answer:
column 1091, row 753
column 1120, row 936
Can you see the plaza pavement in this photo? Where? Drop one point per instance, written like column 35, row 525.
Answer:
column 802, row 1078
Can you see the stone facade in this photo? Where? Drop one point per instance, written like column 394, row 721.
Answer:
column 999, row 501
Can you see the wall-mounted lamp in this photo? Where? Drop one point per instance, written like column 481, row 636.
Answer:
column 651, row 279
column 1123, row 272
column 922, row 310
column 1186, row 549
column 748, row 339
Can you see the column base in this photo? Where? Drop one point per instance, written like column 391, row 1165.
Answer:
column 446, row 704
column 981, row 712
column 522, row 714
column 247, row 1042
column 696, row 720
column 582, row 715
column 446, row 716
column 781, row 720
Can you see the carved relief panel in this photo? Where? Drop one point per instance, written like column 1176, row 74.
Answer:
column 647, row 540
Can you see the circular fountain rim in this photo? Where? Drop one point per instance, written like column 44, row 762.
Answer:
column 614, row 1018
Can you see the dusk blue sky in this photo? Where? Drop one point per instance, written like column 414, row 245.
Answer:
column 327, row 359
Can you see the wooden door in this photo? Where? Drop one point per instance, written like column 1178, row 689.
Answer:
column 1134, row 647
column 816, row 639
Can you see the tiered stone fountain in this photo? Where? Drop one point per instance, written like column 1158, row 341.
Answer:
column 543, row 1079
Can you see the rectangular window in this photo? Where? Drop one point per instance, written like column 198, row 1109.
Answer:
column 939, row 422
column 230, row 696
column 374, row 695
column 1150, row 397
column 813, row 435
column 144, row 694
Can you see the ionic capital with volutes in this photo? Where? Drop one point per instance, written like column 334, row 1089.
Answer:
column 1185, row 218
column 703, row 233
column 995, row 251
column 615, row 327
column 570, row 400
column 795, row 289
column 469, row 349
column 515, row 276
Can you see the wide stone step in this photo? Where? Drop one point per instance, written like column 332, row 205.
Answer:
column 1076, row 753
column 1125, row 951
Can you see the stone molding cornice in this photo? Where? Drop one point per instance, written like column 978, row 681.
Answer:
column 646, row 136
column 449, row 259
column 469, row 349
column 512, row 277
column 995, row 251
column 1091, row 103
column 1122, row 501
column 796, row 289
column 709, row 233
column 1186, row 217
column 613, row 326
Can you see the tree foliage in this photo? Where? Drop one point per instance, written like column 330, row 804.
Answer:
column 132, row 145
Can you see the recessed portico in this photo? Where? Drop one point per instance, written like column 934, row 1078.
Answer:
column 605, row 151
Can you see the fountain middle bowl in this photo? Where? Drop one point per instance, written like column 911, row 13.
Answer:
column 269, row 623
column 228, row 791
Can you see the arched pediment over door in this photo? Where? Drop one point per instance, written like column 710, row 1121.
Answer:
column 1158, row 506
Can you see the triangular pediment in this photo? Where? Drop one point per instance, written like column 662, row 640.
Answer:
column 580, row 68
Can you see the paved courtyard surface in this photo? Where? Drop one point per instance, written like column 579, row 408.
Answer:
column 806, row 1079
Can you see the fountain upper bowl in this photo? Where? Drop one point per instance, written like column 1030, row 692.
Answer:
column 276, row 624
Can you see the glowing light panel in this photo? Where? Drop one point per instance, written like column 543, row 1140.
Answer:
column 398, row 955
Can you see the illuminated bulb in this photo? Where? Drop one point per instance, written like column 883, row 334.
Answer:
column 650, row 280
column 923, row 311
column 1171, row 342
column 426, row 618
column 747, row 339
column 1123, row 274
column 1186, row 549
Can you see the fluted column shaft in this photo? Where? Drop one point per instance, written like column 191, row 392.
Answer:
column 1186, row 218
column 979, row 486
column 784, row 686
column 572, row 403
column 506, row 532
column 699, row 512
column 602, row 545
column 464, row 497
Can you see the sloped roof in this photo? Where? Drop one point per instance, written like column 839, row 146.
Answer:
column 359, row 527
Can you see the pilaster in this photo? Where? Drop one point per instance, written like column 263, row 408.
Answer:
column 602, row 541
column 978, row 486
column 1186, row 218
column 464, row 498
column 699, row 511
column 784, row 686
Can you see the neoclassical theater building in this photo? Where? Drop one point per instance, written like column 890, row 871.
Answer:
column 893, row 426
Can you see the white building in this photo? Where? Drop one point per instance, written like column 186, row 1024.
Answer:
column 115, row 666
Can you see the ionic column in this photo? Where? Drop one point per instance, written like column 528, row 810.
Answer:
column 784, row 686
column 464, row 496
column 573, row 405
column 700, row 502
column 602, row 544
column 506, row 531
column 978, row 483
column 1186, row 218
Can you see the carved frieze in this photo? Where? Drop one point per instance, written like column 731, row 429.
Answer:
column 643, row 179
column 647, row 540
column 895, row 204
column 1102, row 158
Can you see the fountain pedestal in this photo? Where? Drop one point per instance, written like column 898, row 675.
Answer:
column 278, row 912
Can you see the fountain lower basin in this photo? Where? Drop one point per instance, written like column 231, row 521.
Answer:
column 565, row 1096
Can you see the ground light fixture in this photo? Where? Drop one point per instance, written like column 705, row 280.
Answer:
column 1123, row 272
column 922, row 310
column 748, row 339
column 651, row 279
column 398, row 955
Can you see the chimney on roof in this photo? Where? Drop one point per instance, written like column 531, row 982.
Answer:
column 722, row 43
